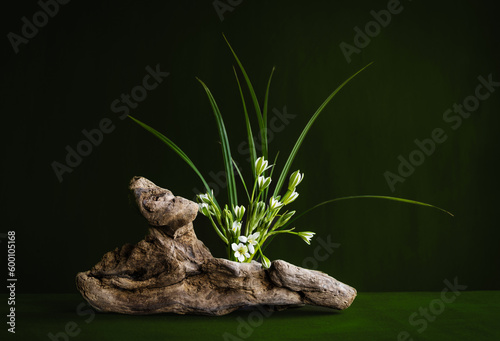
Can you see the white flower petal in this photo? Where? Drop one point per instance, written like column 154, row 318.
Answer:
column 254, row 236
column 234, row 247
column 241, row 258
column 251, row 248
column 242, row 239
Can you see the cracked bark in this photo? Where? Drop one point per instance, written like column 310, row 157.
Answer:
column 170, row 270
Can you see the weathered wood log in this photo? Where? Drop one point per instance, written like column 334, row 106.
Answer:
column 172, row 271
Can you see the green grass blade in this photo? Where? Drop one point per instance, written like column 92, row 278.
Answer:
column 295, row 149
column 266, row 191
column 367, row 197
column 263, row 132
column 226, row 152
column 251, row 142
column 242, row 180
column 174, row 147
column 266, row 99
column 356, row 197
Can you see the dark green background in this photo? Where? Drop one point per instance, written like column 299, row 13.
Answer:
column 426, row 59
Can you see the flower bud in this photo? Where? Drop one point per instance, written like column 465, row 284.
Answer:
column 306, row 236
column 204, row 198
column 239, row 211
column 263, row 182
column 265, row 262
column 274, row 204
column 295, row 179
column 261, row 165
column 204, row 209
column 260, row 210
column 289, row 197
column 227, row 213
column 283, row 219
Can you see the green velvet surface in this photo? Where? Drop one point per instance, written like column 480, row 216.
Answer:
column 373, row 316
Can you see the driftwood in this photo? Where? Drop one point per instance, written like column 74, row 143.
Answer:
column 172, row 271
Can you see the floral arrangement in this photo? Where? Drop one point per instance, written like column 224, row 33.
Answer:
column 247, row 229
column 263, row 218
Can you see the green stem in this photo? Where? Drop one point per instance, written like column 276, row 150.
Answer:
column 229, row 255
column 253, row 190
column 258, row 246
column 224, row 239
column 266, row 194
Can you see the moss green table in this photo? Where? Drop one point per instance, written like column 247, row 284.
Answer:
column 373, row 316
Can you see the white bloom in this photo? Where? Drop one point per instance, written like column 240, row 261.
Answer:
column 290, row 196
column 274, row 204
column 306, row 236
column 239, row 211
column 261, row 165
column 295, row 179
column 251, row 240
column 240, row 251
column 263, row 182
column 236, row 227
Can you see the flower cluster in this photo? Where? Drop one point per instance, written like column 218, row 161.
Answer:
column 245, row 229
column 246, row 248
